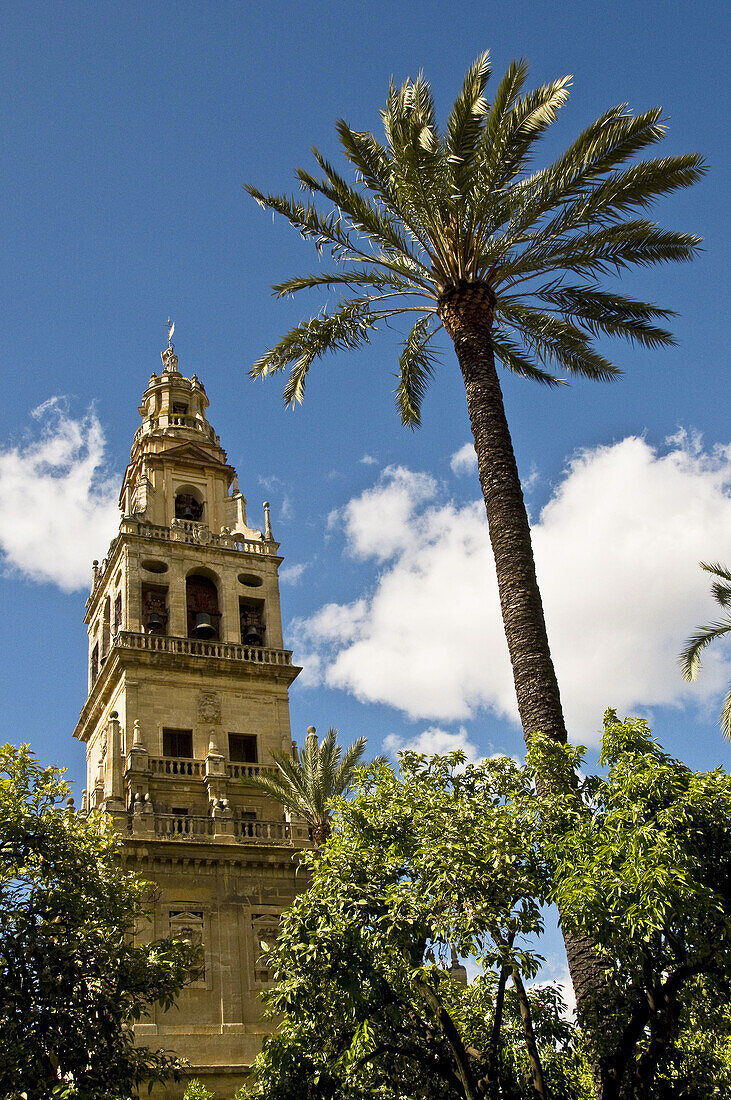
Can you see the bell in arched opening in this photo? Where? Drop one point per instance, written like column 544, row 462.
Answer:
column 204, row 628
column 202, row 604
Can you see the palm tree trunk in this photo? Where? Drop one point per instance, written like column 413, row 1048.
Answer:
column 467, row 314
column 467, row 317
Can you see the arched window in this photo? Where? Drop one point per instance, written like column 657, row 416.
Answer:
column 204, row 618
column 188, row 504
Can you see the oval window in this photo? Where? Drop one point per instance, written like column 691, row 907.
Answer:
column 153, row 565
column 250, row 580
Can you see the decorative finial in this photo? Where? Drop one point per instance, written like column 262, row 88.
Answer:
column 267, row 522
column 168, row 356
column 311, row 741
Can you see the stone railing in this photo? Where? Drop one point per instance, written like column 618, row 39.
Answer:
column 197, row 534
column 247, row 771
column 179, row 765
column 243, row 831
column 191, row 647
column 176, row 765
column 176, row 420
column 181, row 825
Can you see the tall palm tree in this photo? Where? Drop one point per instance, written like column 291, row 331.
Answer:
column 306, row 786
column 690, row 658
column 448, row 228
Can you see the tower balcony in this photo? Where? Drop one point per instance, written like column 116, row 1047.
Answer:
column 192, row 647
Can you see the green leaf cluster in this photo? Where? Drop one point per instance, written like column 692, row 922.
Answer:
column 72, row 980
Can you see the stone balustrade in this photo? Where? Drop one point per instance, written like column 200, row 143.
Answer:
column 197, row 534
column 175, row 765
column 183, row 827
column 192, row 647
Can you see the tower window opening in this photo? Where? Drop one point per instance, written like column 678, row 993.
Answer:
column 188, row 507
column 177, row 743
column 204, row 618
column 106, row 627
column 251, row 621
column 154, row 614
column 180, row 408
column 242, row 748
column 117, row 621
column 94, row 662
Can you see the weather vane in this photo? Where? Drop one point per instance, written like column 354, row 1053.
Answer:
column 171, row 330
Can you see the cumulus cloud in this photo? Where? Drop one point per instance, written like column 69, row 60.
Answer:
column 616, row 547
column 464, row 461
column 433, row 741
column 59, row 506
column 291, row 574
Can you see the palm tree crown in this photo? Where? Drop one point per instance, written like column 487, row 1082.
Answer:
column 305, row 787
column 690, row 658
column 434, row 212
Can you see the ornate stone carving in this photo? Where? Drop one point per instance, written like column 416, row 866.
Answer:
column 209, row 707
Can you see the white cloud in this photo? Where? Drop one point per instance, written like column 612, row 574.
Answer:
column 59, row 508
column 369, row 460
column 434, row 741
column 291, row 574
column 464, row 461
column 379, row 523
column 616, row 548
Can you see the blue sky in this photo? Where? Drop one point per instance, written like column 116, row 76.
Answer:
column 128, row 133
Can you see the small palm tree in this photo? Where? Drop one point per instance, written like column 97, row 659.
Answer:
column 690, row 658
column 446, row 228
column 306, row 787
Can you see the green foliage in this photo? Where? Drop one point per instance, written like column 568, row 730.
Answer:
column 72, row 979
column 438, row 209
column 690, row 658
column 448, row 860
column 642, row 862
column 196, row 1090
column 364, row 964
column 307, row 786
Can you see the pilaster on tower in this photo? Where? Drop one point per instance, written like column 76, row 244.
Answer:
column 188, row 696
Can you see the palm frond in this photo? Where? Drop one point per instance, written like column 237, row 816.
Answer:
column 416, row 365
column 721, row 592
column 465, row 122
column 346, row 328
column 690, row 658
column 352, row 277
column 610, row 314
column 556, row 340
column 513, row 356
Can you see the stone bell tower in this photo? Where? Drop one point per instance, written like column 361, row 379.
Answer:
column 188, row 696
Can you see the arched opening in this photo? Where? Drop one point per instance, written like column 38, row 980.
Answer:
column 189, row 504
column 201, row 597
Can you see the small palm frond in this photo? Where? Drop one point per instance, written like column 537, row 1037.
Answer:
column 347, row 328
column 416, row 363
column 721, row 592
column 512, row 355
column 690, row 658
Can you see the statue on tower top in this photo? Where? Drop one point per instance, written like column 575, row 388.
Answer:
column 168, row 356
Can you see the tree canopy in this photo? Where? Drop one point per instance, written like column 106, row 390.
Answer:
column 446, row 862
column 73, row 981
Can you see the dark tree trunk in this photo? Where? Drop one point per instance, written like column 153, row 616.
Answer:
column 467, row 317
column 467, row 314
